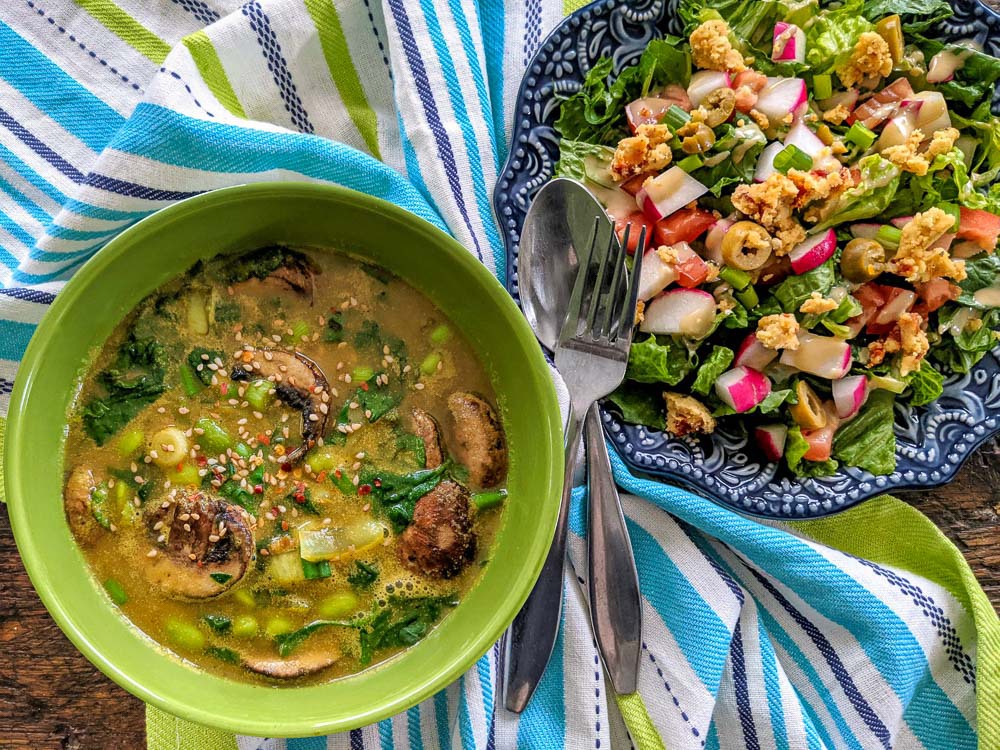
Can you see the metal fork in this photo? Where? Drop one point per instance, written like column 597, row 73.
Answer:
column 591, row 356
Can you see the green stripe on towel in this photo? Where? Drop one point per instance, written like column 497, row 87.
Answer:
column 130, row 31
column 212, row 72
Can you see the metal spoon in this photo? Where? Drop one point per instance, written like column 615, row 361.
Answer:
column 560, row 220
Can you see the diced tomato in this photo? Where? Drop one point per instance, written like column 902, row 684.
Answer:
column 880, row 107
column 820, row 443
column 685, row 225
column 980, row 226
column 638, row 220
column 752, row 79
column 634, row 184
column 692, row 271
column 888, row 294
column 935, row 293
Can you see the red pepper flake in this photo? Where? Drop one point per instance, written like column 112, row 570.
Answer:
column 262, row 438
column 180, row 467
column 224, row 389
column 338, row 473
column 299, row 498
column 378, row 482
column 201, row 460
column 286, row 467
column 364, row 386
column 321, row 476
column 284, row 525
column 258, row 489
column 365, row 489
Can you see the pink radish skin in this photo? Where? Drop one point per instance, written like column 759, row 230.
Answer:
column 680, row 312
column 742, row 388
column 781, row 96
column 865, row 231
column 814, row 252
column 704, row 83
column 897, row 130
column 713, row 240
column 794, row 47
column 822, row 356
column 965, row 249
column 668, row 192
column 754, row 354
column 656, row 275
column 932, row 115
column 901, row 221
column 765, row 162
column 645, row 111
column 771, row 439
column 849, row 395
column 943, row 242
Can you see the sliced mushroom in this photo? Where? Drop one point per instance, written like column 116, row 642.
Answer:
column 298, row 665
column 77, row 498
column 440, row 541
column 206, row 549
column 481, row 445
column 296, row 273
column 298, row 382
column 425, row 427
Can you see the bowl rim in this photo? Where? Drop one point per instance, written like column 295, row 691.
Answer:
column 31, row 546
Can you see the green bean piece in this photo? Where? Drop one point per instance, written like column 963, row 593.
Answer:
column 259, row 394
column 338, row 605
column 487, row 500
column 278, row 626
column 213, row 439
column 189, row 381
column 185, row 635
column 440, row 335
column 245, row 626
column 99, row 506
column 116, row 591
column 130, row 442
column 430, row 364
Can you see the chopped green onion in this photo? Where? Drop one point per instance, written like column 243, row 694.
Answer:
column 888, row 236
column 278, row 626
column 314, row 570
column 259, row 394
column 338, row 605
column 189, row 382
column 430, row 364
column 822, row 86
column 792, row 157
column 99, row 506
column 213, row 439
column 675, row 118
column 952, row 210
column 243, row 450
column 440, row 334
column 886, row 383
column 691, row 163
column 245, row 626
column 748, row 298
column 116, row 591
column 245, row 597
column 487, row 500
column 184, row 634
column 848, row 308
column 299, row 329
column 859, row 135
column 362, row 373
column 130, row 442
column 738, row 279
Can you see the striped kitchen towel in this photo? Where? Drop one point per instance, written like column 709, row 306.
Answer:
column 866, row 630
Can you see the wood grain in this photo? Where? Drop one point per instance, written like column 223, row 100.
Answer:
column 52, row 698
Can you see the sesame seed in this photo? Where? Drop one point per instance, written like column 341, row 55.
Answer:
column 162, row 410
column 151, row 553
column 418, row 386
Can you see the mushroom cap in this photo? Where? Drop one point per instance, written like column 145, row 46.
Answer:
column 479, row 437
column 440, row 541
column 79, row 487
column 298, row 382
column 426, row 428
column 204, row 537
column 297, row 665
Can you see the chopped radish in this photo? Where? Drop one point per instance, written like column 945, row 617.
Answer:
column 823, row 356
column 781, row 96
column 765, row 162
column 771, row 439
column 814, row 252
column 849, row 395
column 789, row 43
column 668, row 192
column 742, row 388
column 865, row 231
column 897, row 130
column 684, row 312
column 901, row 221
column 688, row 270
column 704, row 82
column 807, row 141
column 848, row 98
column 932, row 113
column 646, row 111
column 879, row 108
column 754, row 354
column 713, row 240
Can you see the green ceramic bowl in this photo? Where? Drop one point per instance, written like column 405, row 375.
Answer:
column 165, row 245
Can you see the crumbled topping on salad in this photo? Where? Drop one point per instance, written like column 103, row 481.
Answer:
column 907, row 156
column 836, row 115
column 640, row 312
column 817, row 304
column 686, row 415
column 870, row 59
column 913, row 342
column 711, row 48
column 917, row 259
column 647, row 151
column 779, row 331
column 759, row 118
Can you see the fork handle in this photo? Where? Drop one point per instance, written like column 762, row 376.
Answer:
column 532, row 635
column 612, row 579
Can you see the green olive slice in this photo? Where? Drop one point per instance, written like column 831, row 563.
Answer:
column 862, row 260
column 808, row 413
column 746, row 246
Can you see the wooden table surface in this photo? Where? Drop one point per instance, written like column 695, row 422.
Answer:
column 51, row 697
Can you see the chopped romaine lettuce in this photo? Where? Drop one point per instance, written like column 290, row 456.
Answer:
column 926, row 384
column 714, row 365
column 659, row 360
column 638, row 404
column 868, row 441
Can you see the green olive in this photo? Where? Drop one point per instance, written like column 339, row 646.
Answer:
column 808, row 413
column 700, row 141
column 862, row 260
column 719, row 106
column 746, row 246
column 890, row 28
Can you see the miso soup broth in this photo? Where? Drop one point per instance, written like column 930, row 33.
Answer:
column 285, row 465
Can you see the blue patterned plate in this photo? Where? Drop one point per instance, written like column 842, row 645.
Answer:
column 932, row 441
